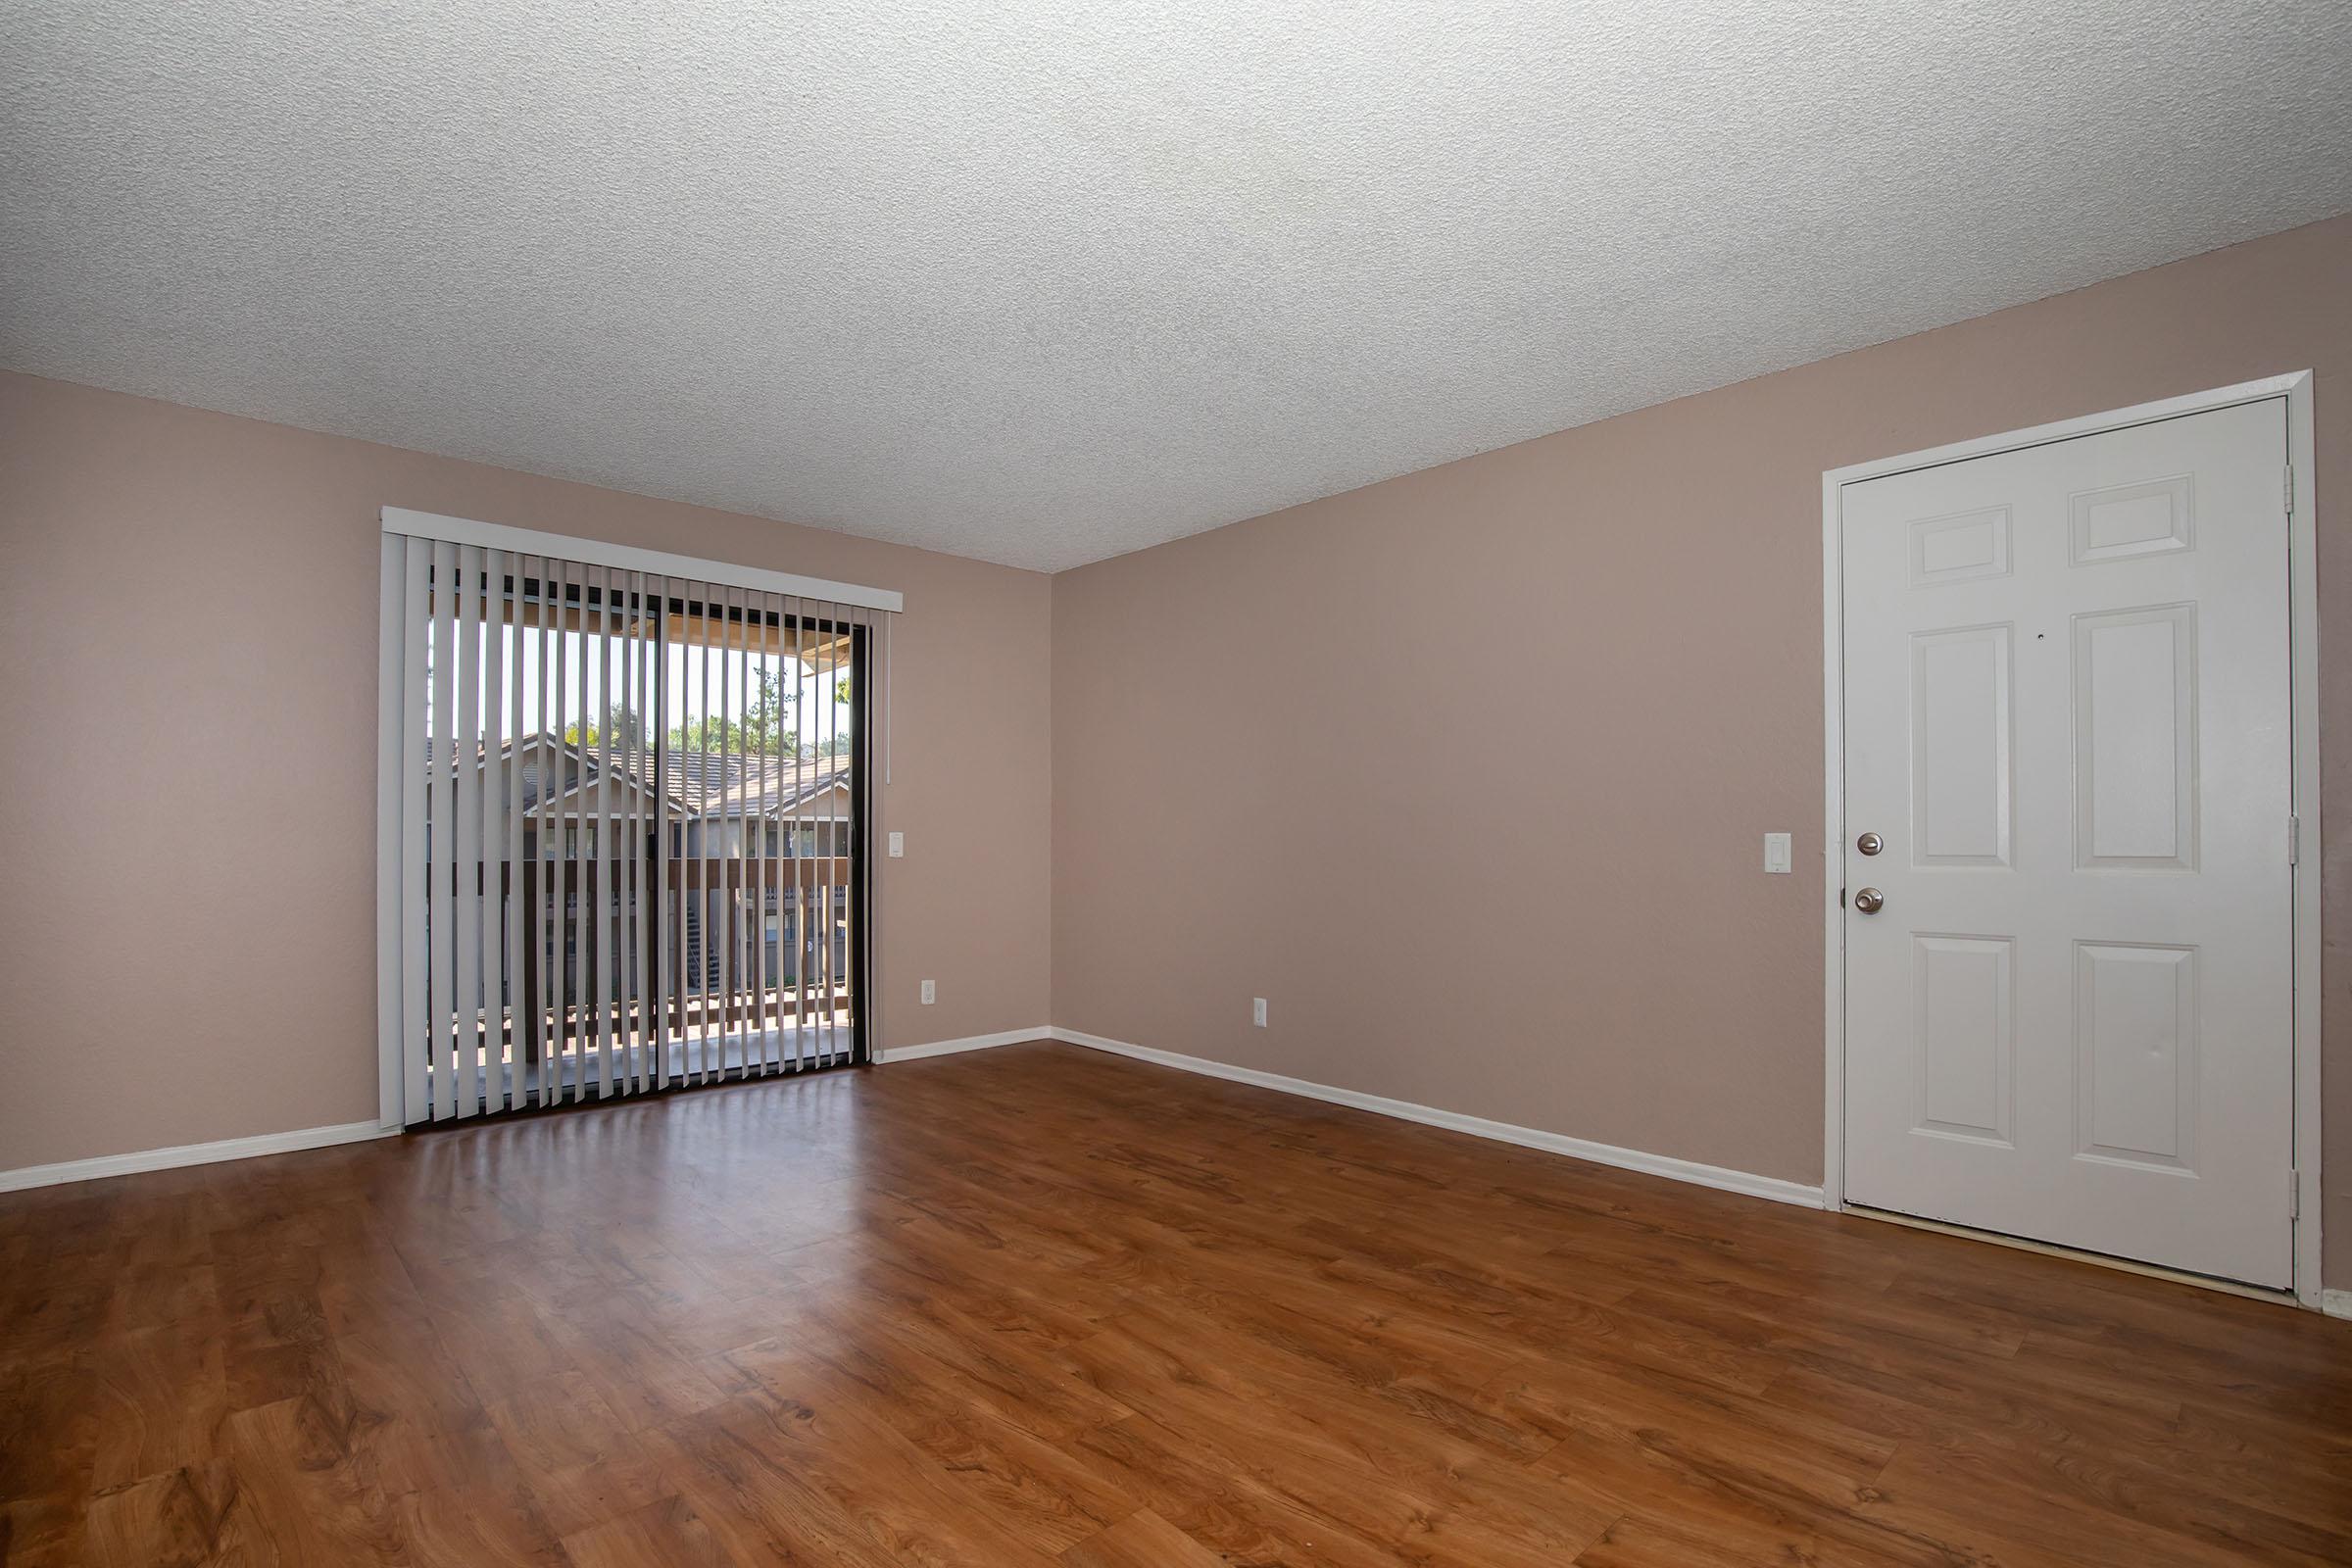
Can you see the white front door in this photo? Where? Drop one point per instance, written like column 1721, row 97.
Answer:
column 2068, row 721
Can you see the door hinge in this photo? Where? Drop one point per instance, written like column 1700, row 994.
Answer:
column 2294, row 1193
column 2294, row 840
column 2290, row 489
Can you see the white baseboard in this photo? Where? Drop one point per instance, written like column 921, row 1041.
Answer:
column 90, row 1170
column 2337, row 1303
column 1681, row 1170
column 948, row 1048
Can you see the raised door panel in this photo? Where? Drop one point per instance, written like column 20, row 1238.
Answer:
column 2136, row 739
column 1961, row 728
column 2131, row 521
column 1964, row 1023
column 2136, row 1065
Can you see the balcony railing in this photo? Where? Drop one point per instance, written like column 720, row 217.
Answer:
column 713, row 992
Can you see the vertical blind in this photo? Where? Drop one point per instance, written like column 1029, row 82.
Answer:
column 629, row 828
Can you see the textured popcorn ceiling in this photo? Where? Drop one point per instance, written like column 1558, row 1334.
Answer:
column 1045, row 282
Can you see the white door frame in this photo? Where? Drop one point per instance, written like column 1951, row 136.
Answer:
column 2304, row 623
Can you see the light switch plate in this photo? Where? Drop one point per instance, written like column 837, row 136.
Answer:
column 1775, row 852
column 897, row 846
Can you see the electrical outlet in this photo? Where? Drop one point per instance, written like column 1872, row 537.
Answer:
column 1257, row 1011
column 930, row 991
column 897, row 846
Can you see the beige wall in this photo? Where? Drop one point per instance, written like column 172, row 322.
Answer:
column 1607, row 643
column 188, row 626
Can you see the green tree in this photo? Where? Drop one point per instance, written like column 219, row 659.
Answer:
column 765, row 721
column 625, row 726
column 708, row 732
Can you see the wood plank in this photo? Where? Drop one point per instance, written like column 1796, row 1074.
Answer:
column 1142, row 1539
column 178, row 1519
column 663, row 1533
column 584, row 1469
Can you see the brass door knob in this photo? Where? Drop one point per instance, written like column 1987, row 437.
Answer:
column 1870, row 901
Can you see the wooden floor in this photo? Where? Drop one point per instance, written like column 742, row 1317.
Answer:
column 1038, row 1306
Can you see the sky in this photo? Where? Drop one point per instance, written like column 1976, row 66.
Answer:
column 819, row 718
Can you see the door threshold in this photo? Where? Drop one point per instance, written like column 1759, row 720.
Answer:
column 2074, row 1255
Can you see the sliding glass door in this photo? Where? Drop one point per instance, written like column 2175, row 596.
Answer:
column 630, row 830
column 762, row 865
